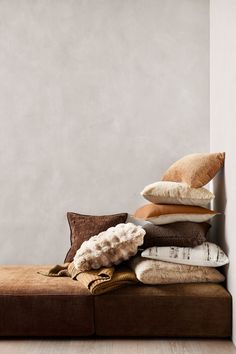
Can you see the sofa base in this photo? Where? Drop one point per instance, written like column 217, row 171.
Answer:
column 180, row 310
column 32, row 305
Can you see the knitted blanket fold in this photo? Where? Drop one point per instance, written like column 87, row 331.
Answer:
column 97, row 281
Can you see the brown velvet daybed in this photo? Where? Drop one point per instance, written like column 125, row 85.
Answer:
column 34, row 305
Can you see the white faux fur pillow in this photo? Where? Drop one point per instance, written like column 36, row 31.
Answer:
column 110, row 247
column 150, row 271
column 176, row 193
column 207, row 255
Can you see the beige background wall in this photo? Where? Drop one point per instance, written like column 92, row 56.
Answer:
column 97, row 98
column 223, row 128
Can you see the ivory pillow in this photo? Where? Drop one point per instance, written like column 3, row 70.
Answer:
column 165, row 213
column 206, row 255
column 110, row 247
column 196, row 169
column 150, row 271
column 176, row 193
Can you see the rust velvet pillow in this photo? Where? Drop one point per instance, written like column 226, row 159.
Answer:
column 196, row 169
column 82, row 227
column 160, row 214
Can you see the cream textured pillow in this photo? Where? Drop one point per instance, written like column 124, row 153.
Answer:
column 207, row 255
column 176, row 193
column 110, row 247
column 157, row 272
column 196, row 169
column 166, row 213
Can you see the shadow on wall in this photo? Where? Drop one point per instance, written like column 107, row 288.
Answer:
column 218, row 223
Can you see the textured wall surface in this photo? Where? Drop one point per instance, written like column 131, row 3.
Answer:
column 223, row 128
column 97, row 98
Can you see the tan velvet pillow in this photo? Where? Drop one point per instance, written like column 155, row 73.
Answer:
column 82, row 227
column 196, row 169
column 150, row 271
column 167, row 213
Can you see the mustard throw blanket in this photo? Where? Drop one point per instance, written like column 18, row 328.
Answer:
column 97, row 281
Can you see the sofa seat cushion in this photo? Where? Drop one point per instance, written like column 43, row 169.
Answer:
column 35, row 305
column 177, row 310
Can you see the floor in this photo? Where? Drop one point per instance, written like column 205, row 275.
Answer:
column 116, row 346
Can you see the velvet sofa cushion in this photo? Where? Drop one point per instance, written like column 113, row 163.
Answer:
column 82, row 227
column 176, row 310
column 35, row 305
column 182, row 234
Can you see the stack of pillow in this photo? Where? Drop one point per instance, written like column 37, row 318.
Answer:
column 171, row 230
column 175, row 248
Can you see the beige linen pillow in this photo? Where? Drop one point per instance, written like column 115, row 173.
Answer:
column 109, row 247
column 206, row 255
column 160, row 214
column 176, row 193
column 157, row 272
column 196, row 169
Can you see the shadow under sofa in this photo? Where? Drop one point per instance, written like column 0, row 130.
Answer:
column 33, row 305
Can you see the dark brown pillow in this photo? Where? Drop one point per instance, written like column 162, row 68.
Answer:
column 182, row 234
column 82, row 227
